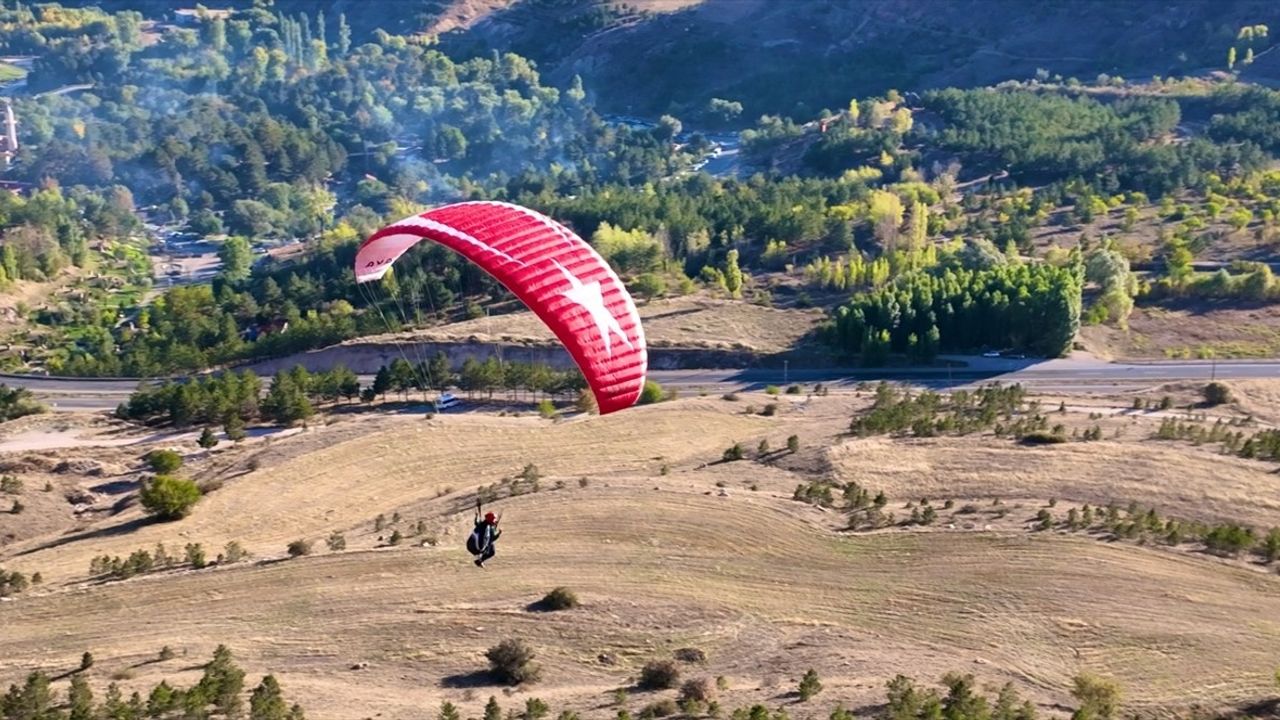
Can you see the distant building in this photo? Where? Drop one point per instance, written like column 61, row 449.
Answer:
column 191, row 16
column 9, row 141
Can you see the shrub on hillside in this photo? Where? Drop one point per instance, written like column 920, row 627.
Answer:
column 690, row 655
column 651, row 393
column 164, row 462
column 511, row 661
column 168, row 497
column 1042, row 438
column 561, row 598
column 207, row 439
column 298, row 548
column 810, row 685
column 1215, row 393
column 697, row 690
column 659, row 675
column 661, row 708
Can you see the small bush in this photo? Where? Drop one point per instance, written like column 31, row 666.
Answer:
column 298, row 548
column 166, row 653
column 560, row 598
column 535, row 709
column 169, row 498
column 810, row 685
column 10, row 485
column 1215, row 393
column 530, row 473
column 234, row 552
column 659, row 675
column 733, row 453
column 17, row 508
column 770, row 410
column 697, row 690
column 690, row 655
column 207, row 439
column 546, row 408
column 336, row 541
column 662, row 708
column 164, row 462
column 194, row 553
column 396, row 537
column 651, row 393
column 731, row 397
column 86, row 661
column 511, row 661
column 793, row 444
column 1042, row 438
column 793, row 389
column 772, row 390
column 1044, row 519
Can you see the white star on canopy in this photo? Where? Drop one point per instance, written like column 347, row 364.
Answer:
column 590, row 297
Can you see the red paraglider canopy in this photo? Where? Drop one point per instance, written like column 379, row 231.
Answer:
column 561, row 278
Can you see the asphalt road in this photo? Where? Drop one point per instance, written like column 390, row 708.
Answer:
column 1062, row 375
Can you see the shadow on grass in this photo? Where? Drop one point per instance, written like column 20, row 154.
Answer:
column 477, row 679
column 114, row 530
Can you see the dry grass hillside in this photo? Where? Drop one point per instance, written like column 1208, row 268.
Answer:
column 694, row 321
column 668, row 551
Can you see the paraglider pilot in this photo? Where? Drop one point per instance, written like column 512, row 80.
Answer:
column 486, row 533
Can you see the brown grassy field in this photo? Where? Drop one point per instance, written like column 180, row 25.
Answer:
column 687, row 558
column 695, row 321
column 1163, row 332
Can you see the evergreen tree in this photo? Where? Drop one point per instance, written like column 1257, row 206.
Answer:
column 267, row 701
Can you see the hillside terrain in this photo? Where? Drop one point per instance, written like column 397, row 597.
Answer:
column 818, row 183
column 665, row 548
column 785, row 57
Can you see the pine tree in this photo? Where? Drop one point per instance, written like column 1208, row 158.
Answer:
column 80, row 698
column 439, row 372
column 382, row 382
column 267, row 701
column 810, row 685
column 207, row 438
column 344, row 35
column 732, row 274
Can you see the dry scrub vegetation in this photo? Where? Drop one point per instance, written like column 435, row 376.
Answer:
column 667, row 547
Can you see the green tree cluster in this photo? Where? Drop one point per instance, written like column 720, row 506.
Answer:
column 1035, row 307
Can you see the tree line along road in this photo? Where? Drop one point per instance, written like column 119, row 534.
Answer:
column 1061, row 375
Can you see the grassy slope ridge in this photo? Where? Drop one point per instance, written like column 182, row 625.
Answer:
column 763, row 584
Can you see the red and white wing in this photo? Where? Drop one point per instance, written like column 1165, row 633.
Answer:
column 556, row 274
